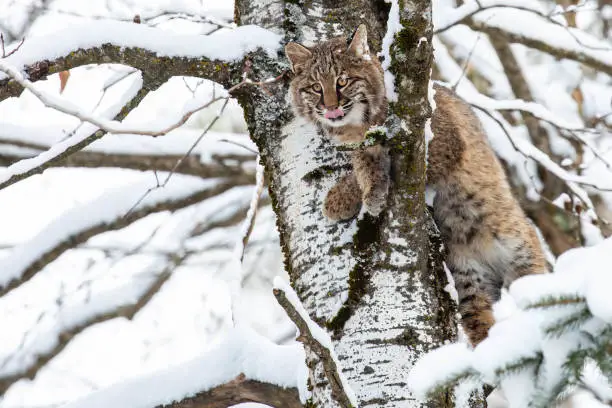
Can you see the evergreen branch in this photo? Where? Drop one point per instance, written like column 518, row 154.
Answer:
column 444, row 387
column 553, row 395
column 521, row 365
column 569, row 323
column 563, row 300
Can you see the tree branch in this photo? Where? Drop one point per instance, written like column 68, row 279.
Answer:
column 156, row 69
column 29, row 268
column 241, row 390
column 66, row 336
column 313, row 341
column 69, row 147
column 157, row 53
column 592, row 59
column 191, row 165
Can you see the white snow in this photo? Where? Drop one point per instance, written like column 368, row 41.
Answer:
column 520, row 332
column 431, row 95
column 242, row 351
column 104, row 210
column 393, row 27
column 436, row 367
column 236, row 272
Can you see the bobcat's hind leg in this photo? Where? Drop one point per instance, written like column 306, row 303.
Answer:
column 371, row 168
column 343, row 200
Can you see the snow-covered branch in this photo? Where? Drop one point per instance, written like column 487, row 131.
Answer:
column 56, row 342
column 550, row 331
column 140, row 46
column 115, row 210
column 110, row 126
column 74, row 317
column 316, row 340
column 558, row 41
column 192, row 165
column 245, row 367
column 83, row 136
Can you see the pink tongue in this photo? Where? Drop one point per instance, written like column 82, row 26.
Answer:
column 333, row 114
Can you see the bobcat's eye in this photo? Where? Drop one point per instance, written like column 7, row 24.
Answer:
column 342, row 81
column 317, row 87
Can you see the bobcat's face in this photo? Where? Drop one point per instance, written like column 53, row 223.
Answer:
column 336, row 84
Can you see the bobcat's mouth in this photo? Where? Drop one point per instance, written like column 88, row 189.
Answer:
column 340, row 116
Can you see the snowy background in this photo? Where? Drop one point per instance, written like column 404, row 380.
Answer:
column 190, row 313
column 157, row 292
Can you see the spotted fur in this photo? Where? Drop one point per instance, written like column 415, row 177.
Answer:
column 489, row 240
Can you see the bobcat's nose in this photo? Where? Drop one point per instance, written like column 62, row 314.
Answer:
column 333, row 113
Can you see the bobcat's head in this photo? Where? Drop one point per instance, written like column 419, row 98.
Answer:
column 337, row 83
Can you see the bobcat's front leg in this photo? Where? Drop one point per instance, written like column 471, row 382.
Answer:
column 371, row 167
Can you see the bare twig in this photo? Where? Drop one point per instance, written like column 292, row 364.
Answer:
column 466, row 63
column 245, row 81
column 180, row 161
column 14, row 50
column 249, row 221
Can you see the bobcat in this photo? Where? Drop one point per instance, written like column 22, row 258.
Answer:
column 339, row 85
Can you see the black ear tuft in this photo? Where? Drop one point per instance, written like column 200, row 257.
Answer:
column 349, row 40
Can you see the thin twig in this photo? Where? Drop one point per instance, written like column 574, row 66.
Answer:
column 245, row 81
column 14, row 50
column 467, row 62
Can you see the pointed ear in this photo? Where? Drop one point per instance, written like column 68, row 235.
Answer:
column 359, row 44
column 298, row 55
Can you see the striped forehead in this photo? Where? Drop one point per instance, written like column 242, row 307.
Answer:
column 326, row 61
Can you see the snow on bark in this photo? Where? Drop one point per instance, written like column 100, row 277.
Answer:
column 393, row 27
column 317, row 339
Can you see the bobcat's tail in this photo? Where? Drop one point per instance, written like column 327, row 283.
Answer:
column 476, row 315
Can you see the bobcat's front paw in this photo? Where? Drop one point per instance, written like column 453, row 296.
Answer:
column 375, row 200
column 371, row 168
column 343, row 200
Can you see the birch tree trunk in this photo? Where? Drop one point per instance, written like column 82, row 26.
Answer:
column 376, row 284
